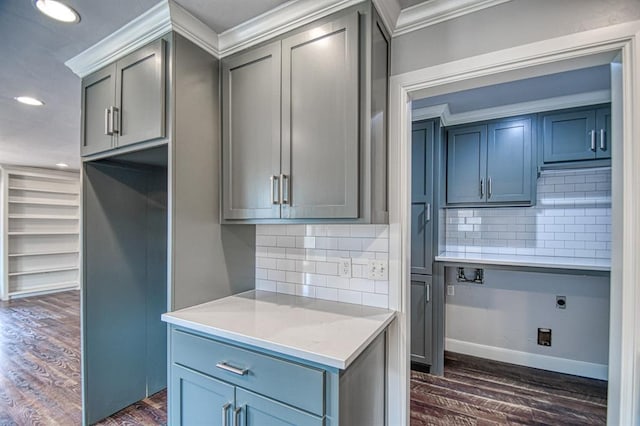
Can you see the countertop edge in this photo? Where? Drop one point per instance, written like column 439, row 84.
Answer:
column 516, row 262
column 280, row 348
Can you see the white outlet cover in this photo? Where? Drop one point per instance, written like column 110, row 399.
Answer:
column 377, row 270
column 344, row 267
column 451, row 290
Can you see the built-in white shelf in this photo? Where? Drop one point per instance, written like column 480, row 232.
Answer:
column 40, row 250
column 44, row 253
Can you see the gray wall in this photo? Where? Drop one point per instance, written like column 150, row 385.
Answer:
column 507, row 310
column 507, row 25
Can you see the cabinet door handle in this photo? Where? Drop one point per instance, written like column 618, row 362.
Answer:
column 428, row 211
column 225, row 415
column 284, row 189
column 114, row 128
column 236, row 414
column 481, row 188
column 274, row 199
column 593, row 140
column 107, row 122
column 489, row 188
column 231, row 369
column 428, row 293
column 603, row 140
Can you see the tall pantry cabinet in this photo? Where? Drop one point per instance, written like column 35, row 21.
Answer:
column 152, row 239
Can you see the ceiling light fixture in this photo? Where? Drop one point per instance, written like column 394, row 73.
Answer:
column 57, row 10
column 62, row 165
column 28, row 100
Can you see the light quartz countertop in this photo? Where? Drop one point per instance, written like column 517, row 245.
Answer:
column 577, row 263
column 321, row 331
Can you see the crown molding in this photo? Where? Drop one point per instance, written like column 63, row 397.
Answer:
column 551, row 104
column 432, row 12
column 278, row 21
column 389, row 11
column 164, row 17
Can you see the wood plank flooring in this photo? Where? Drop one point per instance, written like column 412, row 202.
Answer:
column 40, row 381
column 40, row 366
column 475, row 391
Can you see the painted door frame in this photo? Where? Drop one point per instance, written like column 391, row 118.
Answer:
column 624, row 378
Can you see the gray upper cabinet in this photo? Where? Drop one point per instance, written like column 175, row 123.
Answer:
column 124, row 103
column 98, row 97
column 491, row 163
column 422, row 146
column 576, row 135
column 251, row 134
column 466, row 164
column 509, row 161
column 320, row 121
column 305, row 124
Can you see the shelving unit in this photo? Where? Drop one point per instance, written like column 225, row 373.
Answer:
column 40, row 214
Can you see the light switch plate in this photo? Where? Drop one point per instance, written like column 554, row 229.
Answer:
column 377, row 270
column 344, row 267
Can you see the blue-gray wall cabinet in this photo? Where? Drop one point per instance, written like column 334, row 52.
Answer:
column 251, row 151
column 580, row 134
column 317, row 99
column 124, row 103
column 491, row 163
column 422, row 212
column 421, row 319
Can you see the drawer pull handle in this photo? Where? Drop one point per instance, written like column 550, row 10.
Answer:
column 236, row 414
column 225, row 416
column 226, row 367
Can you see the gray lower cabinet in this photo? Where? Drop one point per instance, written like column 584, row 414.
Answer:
column 491, row 163
column 217, row 382
column 579, row 134
column 421, row 319
column 124, row 103
column 305, row 124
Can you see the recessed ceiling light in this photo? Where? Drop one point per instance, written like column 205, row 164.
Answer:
column 28, row 100
column 62, row 165
column 58, row 11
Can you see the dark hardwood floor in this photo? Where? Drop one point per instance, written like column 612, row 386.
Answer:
column 40, row 366
column 40, row 381
column 476, row 391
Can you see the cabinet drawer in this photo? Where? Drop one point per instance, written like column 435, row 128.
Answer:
column 285, row 381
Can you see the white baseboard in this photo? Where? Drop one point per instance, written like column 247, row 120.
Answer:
column 544, row 362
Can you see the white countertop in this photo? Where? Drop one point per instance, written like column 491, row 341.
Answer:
column 329, row 333
column 577, row 263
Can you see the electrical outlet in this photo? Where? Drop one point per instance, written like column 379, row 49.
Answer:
column 451, row 290
column 377, row 270
column 544, row 336
column 561, row 302
column 345, row 267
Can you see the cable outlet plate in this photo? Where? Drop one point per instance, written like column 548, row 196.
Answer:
column 377, row 270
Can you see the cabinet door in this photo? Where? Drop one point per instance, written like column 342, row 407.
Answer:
column 251, row 134
column 140, row 95
column 320, row 120
column 255, row 410
column 422, row 197
column 466, row 164
column 98, row 95
column 603, row 130
column 196, row 399
column 567, row 136
column 421, row 319
column 509, row 162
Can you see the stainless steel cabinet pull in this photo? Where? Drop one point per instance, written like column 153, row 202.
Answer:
column 284, row 189
column 428, row 293
column 274, row 199
column 226, row 367
column 114, row 111
column 603, row 140
column 489, row 188
column 225, row 416
column 428, row 209
column 481, row 188
column 593, row 140
column 107, row 122
column 236, row 414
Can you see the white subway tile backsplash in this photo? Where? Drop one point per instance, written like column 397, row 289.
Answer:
column 572, row 217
